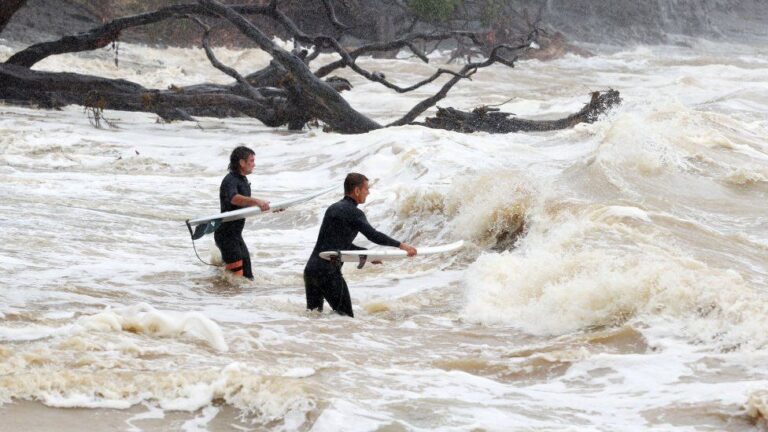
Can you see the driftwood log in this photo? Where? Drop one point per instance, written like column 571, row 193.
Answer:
column 491, row 120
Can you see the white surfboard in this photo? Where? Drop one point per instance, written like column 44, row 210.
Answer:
column 361, row 256
column 209, row 224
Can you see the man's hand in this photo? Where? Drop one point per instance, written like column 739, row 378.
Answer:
column 263, row 205
column 408, row 248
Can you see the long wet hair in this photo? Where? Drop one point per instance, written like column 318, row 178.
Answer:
column 238, row 154
column 352, row 181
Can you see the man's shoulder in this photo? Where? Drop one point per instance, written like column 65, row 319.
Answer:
column 231, row 178
column 335, row 206
column 352, row 211
column 343, row 206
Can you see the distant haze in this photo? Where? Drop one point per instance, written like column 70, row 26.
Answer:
column 617, row 22
column 627, row 21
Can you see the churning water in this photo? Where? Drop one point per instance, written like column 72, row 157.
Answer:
column 615, row 276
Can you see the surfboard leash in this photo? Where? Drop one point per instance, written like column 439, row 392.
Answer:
column 197, row 233
column 198, row 255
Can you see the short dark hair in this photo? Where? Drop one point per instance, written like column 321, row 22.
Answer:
column 238, row 154
column 352, row 181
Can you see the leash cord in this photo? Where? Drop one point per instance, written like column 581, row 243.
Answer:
column 198, row 255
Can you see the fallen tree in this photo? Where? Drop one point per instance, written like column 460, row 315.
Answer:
column 58, row 89
column 287, row 92
column 491, row 120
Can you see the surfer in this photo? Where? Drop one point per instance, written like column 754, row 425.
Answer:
column 341, row 223
column 234, row 194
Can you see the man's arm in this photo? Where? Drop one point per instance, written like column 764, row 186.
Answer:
column 229, row 190
column 244, row 201
column 380, row 238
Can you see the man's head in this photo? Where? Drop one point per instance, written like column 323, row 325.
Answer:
column 242, row 161
column 356, row 187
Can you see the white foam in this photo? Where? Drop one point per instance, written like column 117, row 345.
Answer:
column 747, row 175
column 143, row 318
column 757, row 406
column 567, row 273
column 29, row 333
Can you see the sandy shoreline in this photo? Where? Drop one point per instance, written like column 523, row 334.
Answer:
column 34, row 416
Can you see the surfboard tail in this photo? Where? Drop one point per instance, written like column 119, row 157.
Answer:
column 203, row 228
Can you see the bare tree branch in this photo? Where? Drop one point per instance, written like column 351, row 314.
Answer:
column 320, row 98
column 244, row 84
column 313, row 55
column 389, row 46
column 100, row 37
column 379, row 77
column 468, row 70
column 7, row 9
column 332, row 16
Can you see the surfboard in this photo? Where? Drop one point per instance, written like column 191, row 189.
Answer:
column 208, row 224
column 361, row 256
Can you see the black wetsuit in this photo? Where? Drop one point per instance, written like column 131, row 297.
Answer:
column 229, row 236
column 322, row 278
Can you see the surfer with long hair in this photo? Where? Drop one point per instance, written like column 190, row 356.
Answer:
column 234, row 194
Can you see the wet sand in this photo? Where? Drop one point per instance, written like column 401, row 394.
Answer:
column 34, row 416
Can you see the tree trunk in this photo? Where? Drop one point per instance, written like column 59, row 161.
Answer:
column 7, row 9
column 57, row 89
column 321, row 100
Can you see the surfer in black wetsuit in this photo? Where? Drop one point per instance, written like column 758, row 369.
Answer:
column 341, row 223
column 234, row 194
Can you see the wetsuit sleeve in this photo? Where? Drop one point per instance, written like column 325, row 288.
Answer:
column 229, row 189
column 371, row 234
